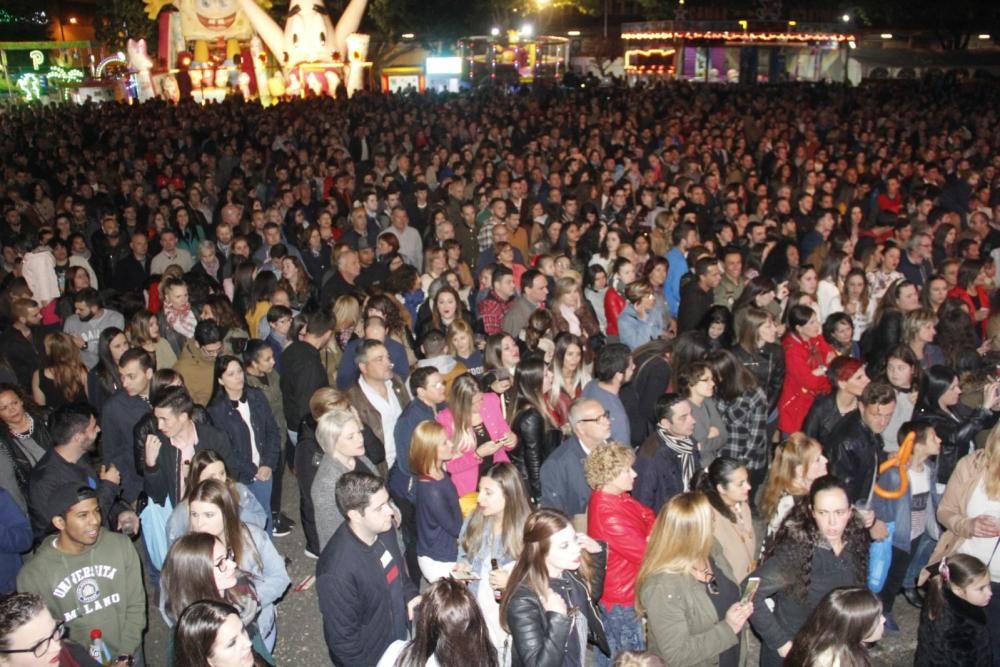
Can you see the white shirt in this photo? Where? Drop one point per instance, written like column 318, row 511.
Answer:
column 982, row 547
column 389, row 410
column 243, row 407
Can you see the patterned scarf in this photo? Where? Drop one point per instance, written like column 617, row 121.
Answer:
column 685, row 450
column 183, row 323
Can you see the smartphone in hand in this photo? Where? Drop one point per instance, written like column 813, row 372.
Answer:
column 750, row 590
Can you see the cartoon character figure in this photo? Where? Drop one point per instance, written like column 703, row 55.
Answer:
column 309, row 35
column 357, row 51
column 140, row 63
column 207, row 19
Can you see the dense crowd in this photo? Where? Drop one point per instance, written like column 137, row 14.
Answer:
column 564, row 377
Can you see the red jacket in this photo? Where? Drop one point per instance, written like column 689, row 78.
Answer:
column 614, row 304
column 801, row 387
column 624, row 524
column 984, row 302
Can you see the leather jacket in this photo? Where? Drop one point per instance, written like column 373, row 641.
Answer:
column 823, row 417
column 855, row 452
column 540, row 638
column 625, row 524
column 768, row 366
column 536, row 440
column 957, row 434
column 20, row 463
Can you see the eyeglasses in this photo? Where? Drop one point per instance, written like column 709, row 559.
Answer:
column 603, row 415
column 711, row 583
column 42, row 647
column 230, row 557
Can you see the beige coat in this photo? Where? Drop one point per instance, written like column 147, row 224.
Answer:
column 969, row 472
column 738, row 541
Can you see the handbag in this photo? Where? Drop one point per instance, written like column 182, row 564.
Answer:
column 154, row 518
column 880, row 559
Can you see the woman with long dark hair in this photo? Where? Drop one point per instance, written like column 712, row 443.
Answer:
column 726, row 484
column 953, row 626
column 757, row 350
column 743, row 406
column 104, row 379
column 548, row 607
column 64, row 379
column 450, row 632
column 902, row 373
column 837, row 630
column 244, row 414
column 212, row 634
column 956, row 424
column 822, row 545
column 143, row 331
column 212, row 510
column 200, row 566
column 534, row 422
column 491, row 541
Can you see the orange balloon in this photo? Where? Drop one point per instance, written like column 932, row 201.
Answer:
column 898, row 460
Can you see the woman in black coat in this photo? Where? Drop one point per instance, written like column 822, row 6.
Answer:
column 533, row 423
column 24, row 439
column 954, row 422
column 543, row 624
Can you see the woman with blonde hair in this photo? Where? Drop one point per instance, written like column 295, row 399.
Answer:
column 144, row 331
column 919, row 332
column 475, row 423
column 625, row 524
column 490, row 542
column 548, row 607
column 339, row 435
column 797, row 463
column 688, row 594
column 309, row 455
column 969, row 512
column 64, row 379
column 435, row 263
column 571, row 312
column 438, row 515
column 462, row 346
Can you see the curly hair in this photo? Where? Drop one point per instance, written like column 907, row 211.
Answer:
column 799, row 537
column 606, row 462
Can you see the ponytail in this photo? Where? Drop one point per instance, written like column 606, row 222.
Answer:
column 959, row 570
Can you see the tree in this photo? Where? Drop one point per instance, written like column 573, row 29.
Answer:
column 953, row 23
column 117, row 21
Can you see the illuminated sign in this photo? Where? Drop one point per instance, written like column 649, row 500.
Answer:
column 444, row 65
column 739, row 36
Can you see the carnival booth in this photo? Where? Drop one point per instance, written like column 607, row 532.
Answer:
column 513, row 58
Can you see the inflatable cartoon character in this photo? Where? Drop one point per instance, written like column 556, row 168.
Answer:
column 309, row 35
column 207, row 19
column 357, row 51
column 140, row 63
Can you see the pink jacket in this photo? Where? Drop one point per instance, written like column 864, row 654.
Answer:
column 464, row 470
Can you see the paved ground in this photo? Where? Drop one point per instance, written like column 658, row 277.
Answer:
column 300, row 630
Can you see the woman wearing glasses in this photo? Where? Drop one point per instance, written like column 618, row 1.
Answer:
column 689, row 595
column 213, row 511
column 30, row 637
column 200, row 567
column 822, row 545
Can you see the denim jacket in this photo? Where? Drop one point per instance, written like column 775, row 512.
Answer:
column 898, row 510
column 490, row 547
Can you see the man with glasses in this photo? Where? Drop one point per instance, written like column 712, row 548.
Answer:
column 915, row 264
column 89, row 578
column 30, row 630
column 564, row 485
column 669, row 457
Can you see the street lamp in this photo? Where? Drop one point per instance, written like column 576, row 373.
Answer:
column 846, row 18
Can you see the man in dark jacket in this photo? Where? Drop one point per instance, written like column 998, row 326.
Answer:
column 169, row 448
column 699, row 294
column 302, row 369
column 74, row 432
column 132, row 271
column 427, row 386
column 564, row 486
column 365, row 595
column 121, row 413
column 855, row 448
column 668, row 458
column 379, row 396
column 23, row 342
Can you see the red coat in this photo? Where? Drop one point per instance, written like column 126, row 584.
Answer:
column 984, row 301
column 624, row 524
column 801, row 387
column 614, row 304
